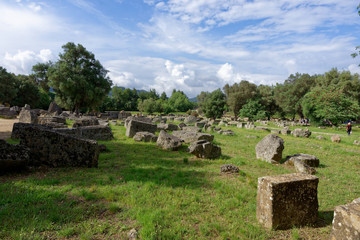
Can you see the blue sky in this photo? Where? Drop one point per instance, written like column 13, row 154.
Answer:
column 189, row 45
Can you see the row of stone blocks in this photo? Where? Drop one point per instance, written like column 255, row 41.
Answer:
column 285, row 201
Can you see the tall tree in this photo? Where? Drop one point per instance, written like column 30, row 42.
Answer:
column 27, row 92
column 289, row 95
column 40, row 72
column 253, row 110
column 180, row 101
column 8, row 88
column 238, row 94
column 78, row 79
column 213, row 104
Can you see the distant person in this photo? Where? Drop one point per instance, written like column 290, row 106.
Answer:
column 348, row 128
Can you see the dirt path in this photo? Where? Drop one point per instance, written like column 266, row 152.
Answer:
column 6, row 126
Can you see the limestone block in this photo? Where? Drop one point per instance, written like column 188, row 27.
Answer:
column 346, row 223
column 288, row 200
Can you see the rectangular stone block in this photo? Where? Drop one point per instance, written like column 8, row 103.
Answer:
column 346, row 223
column 56, row 149
column 288, row 200
column 135, row 126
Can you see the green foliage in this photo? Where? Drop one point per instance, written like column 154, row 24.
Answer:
column 44, row 100
column 213, row 104
column 8, row 88
column 27, row 92
column 253, row 110
column 150, row 106
column 78, row 79
column 333, row 105
column 179, row 101
column 125, row 99
column 238, row 94
column 40, row 74
column 288, row 96
column 267, row 99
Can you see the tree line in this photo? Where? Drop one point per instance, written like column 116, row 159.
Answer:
column 78, row 82
column 333, row 96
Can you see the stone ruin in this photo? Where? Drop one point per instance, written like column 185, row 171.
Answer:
column 134, row 126
column 168, row 142
column 55, row 149
column 285, row 201
column 204, row 149
column 346, row 222
column 270, row 149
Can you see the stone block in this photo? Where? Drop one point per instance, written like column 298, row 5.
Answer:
column 288, row 200
column 56, row 149
column 346, row 223
column 135, row 126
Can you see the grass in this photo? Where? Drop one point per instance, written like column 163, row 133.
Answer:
column 170, row 195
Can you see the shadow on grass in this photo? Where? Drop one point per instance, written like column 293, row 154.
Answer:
column 25, row 211
column 325, row 218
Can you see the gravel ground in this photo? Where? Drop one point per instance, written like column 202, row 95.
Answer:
column 6, row 126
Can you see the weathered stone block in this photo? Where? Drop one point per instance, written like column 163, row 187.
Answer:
column 55, row 149
column 270, row 148
column 28, row 116
column 135, row 126
column 204, row 149
column 346, row 223
column 288, row 200
column 310, row 160
column 301, row 133
column 145, row 137
column 168, row 142
column 189, row 137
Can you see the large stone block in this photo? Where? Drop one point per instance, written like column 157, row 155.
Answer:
column 168, row 142
column 28, row 116
column 346, row 223
column 55, row 149
column 288, row 200
column 189, row 137
column 135, row 126
column 270, row 148
column 204, row 149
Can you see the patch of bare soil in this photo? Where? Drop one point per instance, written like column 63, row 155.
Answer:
column 6, row 126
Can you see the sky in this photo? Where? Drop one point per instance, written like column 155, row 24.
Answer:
column 188, row 45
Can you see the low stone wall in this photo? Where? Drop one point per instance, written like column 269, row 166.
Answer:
column 56, row 149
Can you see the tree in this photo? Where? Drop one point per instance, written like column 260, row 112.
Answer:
column 253, row 110
column 288, row 96
column 150, row 106
column 8, row 88
column 78, row 79
column 163, row 96
column 40, row 73
column 213, row 104
column 201, row 98
column 267, row 99
column 238, row 94
column 27, row 92
column 344, row 81
column 333, row 105
column 180, row 101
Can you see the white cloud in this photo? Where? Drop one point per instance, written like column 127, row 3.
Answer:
column 35, row 7
column 22, row 61
column 354, row 68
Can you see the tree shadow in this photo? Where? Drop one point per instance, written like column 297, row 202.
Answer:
column 25, row 210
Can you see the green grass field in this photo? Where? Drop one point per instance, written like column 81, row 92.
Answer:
column 171, row 195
